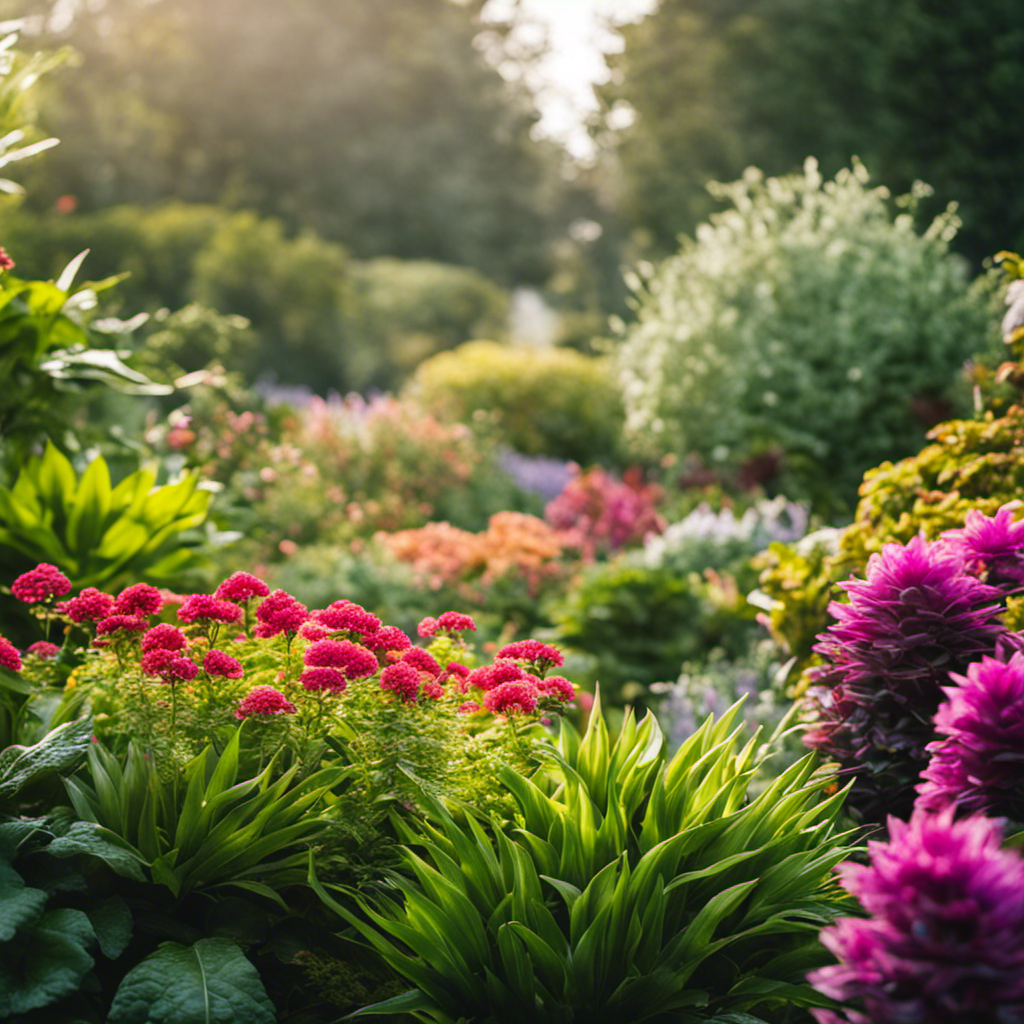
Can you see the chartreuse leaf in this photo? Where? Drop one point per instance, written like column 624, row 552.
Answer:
column 201, row 984
column 90, row 508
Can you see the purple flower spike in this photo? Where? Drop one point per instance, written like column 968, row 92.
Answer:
column 980, row 765
column 917, row 617
column 945, row 942
column 993, row 546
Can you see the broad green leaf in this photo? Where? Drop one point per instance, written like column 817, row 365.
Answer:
column 19, row 903
column 86, row 837
column 59, row 752
column 208, row 982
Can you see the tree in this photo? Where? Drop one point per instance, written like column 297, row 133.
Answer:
column 915, row 88
column 380, row 125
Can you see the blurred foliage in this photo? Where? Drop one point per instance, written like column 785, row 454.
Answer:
column 543, row 401
column 805, row 320
column 379, row 125
column 704, row 88
column 315, row 317
column 407, row 311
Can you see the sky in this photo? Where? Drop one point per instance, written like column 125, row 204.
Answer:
column 578, row 34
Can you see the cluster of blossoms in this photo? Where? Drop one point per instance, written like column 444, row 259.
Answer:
column 920, row 664
column 924, row 611
column 597, row 513
column 340, row 644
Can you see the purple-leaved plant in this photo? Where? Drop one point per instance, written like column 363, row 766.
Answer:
column 945, row 940
column 979, row 765
column 918, row 616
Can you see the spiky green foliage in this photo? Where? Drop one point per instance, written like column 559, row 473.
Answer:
column 629, row 890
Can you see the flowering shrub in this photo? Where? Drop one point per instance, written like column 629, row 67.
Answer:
column 509, row 568
column 945, row 937
column 595, row 513
column 824, row 326
column 924, row 613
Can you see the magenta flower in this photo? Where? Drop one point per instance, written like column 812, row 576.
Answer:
column 116, row 623
column 240, row 587
column 403, row 679
column 945, row 939
column 164, row 637
column 387, row 638
column 427, row 626
column 504, row 670
column 279, row 613
column 91, row 605
column 344, row 615
column 558, row 687
column 43, row 649
column 917, row 617
column 543, row 656
column 993, row 546
column 354, row 661
column 218, row 663
column 264, row 701
column 40, row 583
column 318, row 678
column 422, row 660
column 516, row 697
column 140, row 599
column 9, row 656
column 205, row 607
column 979, row 766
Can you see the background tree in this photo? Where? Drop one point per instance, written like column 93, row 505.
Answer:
column 379, row 125
column 915, row 88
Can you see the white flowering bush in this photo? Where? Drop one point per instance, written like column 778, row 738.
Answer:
column 805, row 318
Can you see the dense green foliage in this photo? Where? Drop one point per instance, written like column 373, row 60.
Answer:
column 636, row 889
column 805, row 320
column 915, row 89
column 543, row 402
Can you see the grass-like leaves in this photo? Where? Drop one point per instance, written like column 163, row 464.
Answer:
column 630, row 889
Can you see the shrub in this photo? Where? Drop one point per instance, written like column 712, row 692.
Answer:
column 805, row 318
column 631, row 890
column 545, row 402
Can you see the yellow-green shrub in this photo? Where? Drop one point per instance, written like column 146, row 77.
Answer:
column 544, row 401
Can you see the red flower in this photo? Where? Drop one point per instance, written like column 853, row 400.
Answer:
column 213, row 609
column 240, row 586
column 323, row 677
column 311, row 630
column 91, row 605
column 388, row 638
column 170, row 667
column 217, row 663
column 264, row 701
column 348, row 616
column 502, row 671
column 279, row 613
column 354, row 661
column 518, row 696
column 542, row 655
column 422, row 660
column 6, row 263
column 164, row 637
column 456, row 621
column 403, row 679
column 114, row 623
column 469, row 707
column 141, row 600
column 558, row 687
column 43, row 649
column 9, row 656
column 427, row 626
column 433, row 689
column 43, row 581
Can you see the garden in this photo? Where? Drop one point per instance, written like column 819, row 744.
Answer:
column 362, row 660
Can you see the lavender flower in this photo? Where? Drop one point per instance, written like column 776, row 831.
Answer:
column 945, row 940
column 977, row 768
column 918, row 616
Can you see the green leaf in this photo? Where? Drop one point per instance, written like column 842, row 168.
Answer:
column 111, row 921
column 19, row 903
column 89, row 508
column 86, row 837
column 58, row 752
column 208, row 982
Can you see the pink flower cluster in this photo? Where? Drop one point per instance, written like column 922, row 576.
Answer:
column 264, row 701
column 596, row 513
column 39, row 584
